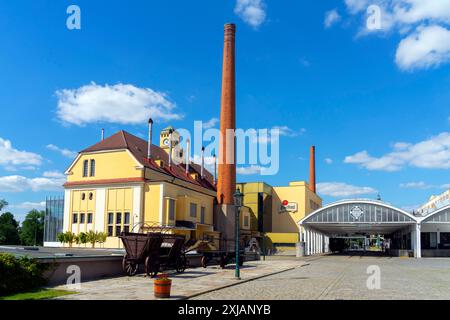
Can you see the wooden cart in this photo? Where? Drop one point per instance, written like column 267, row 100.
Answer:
column 157, row 248
column 223, row 256
column 138, row 247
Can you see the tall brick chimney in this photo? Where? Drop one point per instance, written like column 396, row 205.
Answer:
column 312, row 169
column 225, row 211
column 226, row 181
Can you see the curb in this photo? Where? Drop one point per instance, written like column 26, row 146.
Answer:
column 238, row 282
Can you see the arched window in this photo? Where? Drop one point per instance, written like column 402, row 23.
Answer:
column 92, row 172
column 85, row 168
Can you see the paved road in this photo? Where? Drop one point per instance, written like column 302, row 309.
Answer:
column 345, row 277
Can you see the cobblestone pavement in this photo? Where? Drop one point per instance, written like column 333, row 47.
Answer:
column 345, row 277
column 192, row 282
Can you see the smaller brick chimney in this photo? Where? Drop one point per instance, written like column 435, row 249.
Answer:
column 312, row 169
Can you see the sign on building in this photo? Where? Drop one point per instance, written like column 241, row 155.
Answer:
column 287, row 206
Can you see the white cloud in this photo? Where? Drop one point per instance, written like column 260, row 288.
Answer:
column 328, row 161
column 120, row 103
column 415, row 185
column 356, row 6
column 340, row 189
column 252, row 12
column 425, row 48
column 282, row 131
column 210, row 123
column 422, row 24
column 63, row 151
column 288, row 132
column 16, row 183
column 433, row 153
column 10, row 157
column 250, row 170
column 29, row 205
column 423, row 186
column 54, row 174
column 209, row 162
column 331, row 17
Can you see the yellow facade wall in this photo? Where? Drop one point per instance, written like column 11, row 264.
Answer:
column 82, row 203
column 283, row 237
column 287, row 222
column 152, row 194
column 108, row 165
column 183, row 198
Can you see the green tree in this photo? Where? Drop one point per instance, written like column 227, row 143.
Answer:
column 3, row 204
column 9, row 233
column 32, row 231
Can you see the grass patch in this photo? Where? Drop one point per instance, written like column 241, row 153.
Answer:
column 39, row 294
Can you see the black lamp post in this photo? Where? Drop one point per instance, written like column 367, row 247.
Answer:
column 238, row 199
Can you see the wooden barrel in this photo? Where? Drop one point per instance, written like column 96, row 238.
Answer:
column 162, row 287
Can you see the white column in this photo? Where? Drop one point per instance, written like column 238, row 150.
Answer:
column 314, row 242
column 318, row 242
column 100, row 210
column 310, row 241
column 306, row 242
column 418, row 249
column 321, row 243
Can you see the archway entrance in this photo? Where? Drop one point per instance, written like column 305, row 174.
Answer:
column 397, row 230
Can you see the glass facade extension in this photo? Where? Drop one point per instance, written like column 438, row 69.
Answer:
column 53, row 223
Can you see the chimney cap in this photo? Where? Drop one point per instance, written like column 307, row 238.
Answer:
column 150, row 120
column 230, row 25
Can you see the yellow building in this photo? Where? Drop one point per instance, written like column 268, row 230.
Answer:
column 274, row 212
column 113, row 186
column 435, row 203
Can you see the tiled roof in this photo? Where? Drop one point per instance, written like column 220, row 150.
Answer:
column 138, row 147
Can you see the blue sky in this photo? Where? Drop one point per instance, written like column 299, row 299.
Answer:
column 375, row 103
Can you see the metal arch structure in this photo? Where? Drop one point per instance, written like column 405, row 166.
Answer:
column 356, row 217
column 441, row 215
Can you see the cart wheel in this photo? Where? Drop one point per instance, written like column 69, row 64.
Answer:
column 205, row 261
column 151, row 269
column 181, row 264
column 129, row 266
column 222, row 263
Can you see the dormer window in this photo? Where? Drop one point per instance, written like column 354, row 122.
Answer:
column 92, row 172
column 85, row 168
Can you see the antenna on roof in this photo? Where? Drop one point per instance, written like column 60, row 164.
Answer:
column 149, row 147
column 188, row 152
column 203, row 163
column 170, row 148
column 215, row 168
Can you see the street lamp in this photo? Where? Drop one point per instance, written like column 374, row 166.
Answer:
column 238, row 199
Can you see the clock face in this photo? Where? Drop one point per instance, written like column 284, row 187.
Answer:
column 166, row 142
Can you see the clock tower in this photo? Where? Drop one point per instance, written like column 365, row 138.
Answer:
column 177, row 151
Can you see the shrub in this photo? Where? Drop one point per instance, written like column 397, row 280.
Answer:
column 92, row 237
column 101, row 237
column 61, row 237
column 69, row 237
column 20, row 274
column 81, row 238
